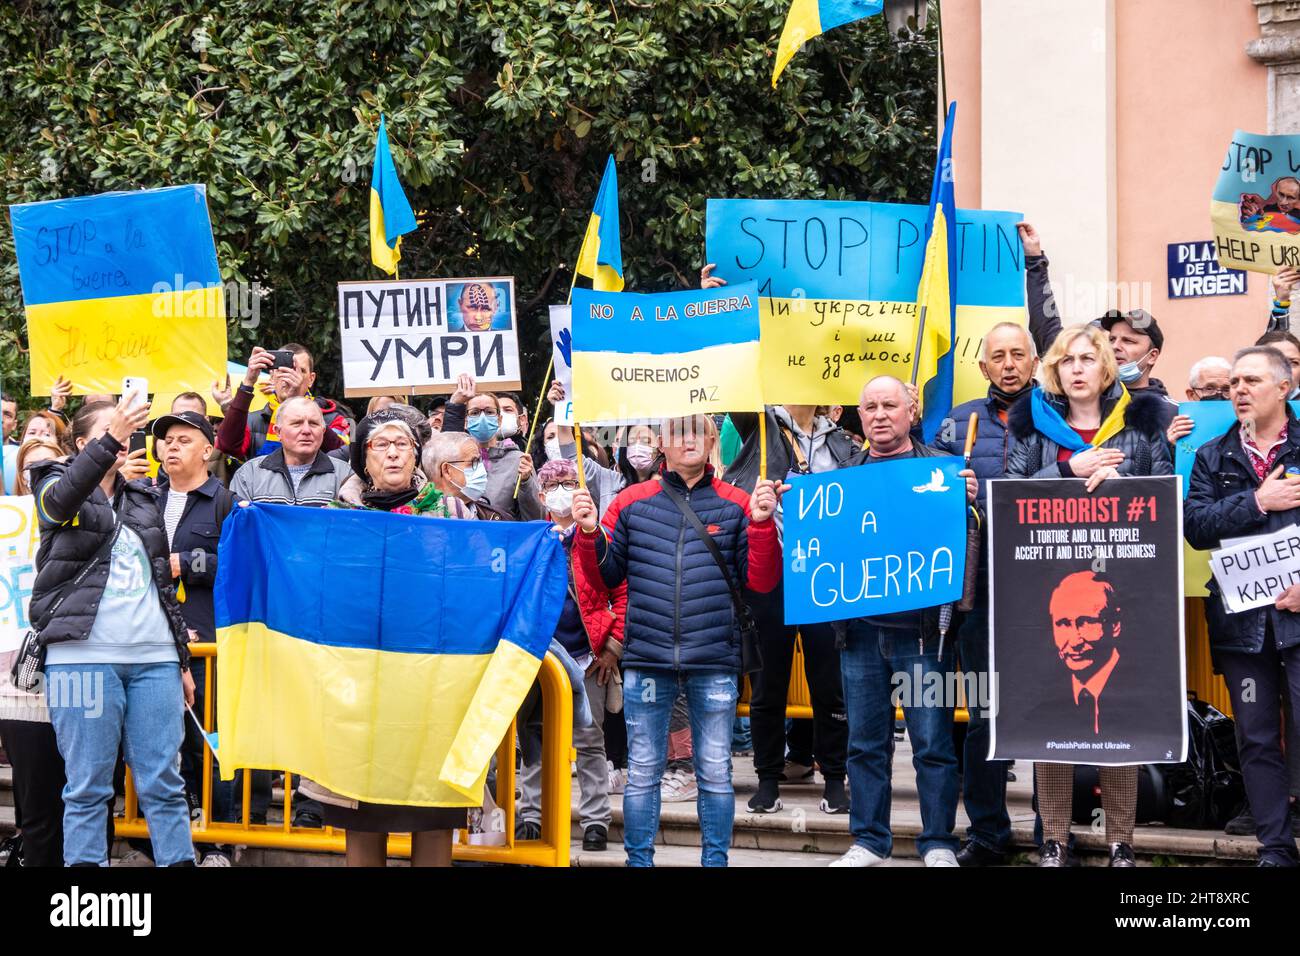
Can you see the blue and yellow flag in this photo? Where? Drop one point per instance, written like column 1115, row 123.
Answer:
column 381, row 655
column 601, row 258
column 122, row 283
column 812, row 18
column 390, row 214
column 936, row 296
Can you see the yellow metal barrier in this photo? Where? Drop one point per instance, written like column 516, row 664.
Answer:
column 551, row 850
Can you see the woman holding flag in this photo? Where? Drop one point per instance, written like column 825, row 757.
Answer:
column 1083, row 423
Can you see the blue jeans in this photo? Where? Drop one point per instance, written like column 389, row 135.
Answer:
column 97, row 707
column 648, row 695
column 984, row 781
column 872, row 655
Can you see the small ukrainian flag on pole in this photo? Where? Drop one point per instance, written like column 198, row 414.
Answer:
column 812, row 18
column 601, row 257
column 390, row 213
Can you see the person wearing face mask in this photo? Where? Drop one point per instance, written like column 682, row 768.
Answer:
column 1136, row 340
column 452, row 464
column 479, row 414
column 514, row 419
column 590, row 630
column 1206, row 382
column 1083, row 423
column 603, row 483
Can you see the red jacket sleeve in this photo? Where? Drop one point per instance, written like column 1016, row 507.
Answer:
column 764, row 556
column 232, row 436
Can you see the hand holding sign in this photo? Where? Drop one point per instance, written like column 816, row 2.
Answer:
column 584, row 510
column 763, row 502
column 556, row 393
column 1289, row 600
column 1180, row 427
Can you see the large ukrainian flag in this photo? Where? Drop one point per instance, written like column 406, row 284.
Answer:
column 390, row 213
column 601, row 257
column 122, row 283
column 936, row 296
column 381, row 655
column 812, row 18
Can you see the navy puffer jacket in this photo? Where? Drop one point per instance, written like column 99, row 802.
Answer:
column 679, row 611
column 1221, row 504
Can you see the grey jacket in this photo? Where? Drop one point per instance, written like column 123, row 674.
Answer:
column 266, row 479
column 603, row 483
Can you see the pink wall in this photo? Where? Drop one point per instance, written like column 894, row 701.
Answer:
column 1183, row 85
column 961, row 53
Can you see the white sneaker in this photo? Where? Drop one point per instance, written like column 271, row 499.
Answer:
column 678, row 787
column 941, row 857
column 617, row 778
column 216, row 859
column 858, row 856
column 134, row 858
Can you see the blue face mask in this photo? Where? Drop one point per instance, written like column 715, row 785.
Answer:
column 483, row 427
column 1130, row 372
column 475, row 481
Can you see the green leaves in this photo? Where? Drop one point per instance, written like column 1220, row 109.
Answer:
column 500, row 114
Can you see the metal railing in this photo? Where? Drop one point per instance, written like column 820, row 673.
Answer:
column 551, row 850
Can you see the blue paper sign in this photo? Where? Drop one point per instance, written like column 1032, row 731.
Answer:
column 1194, row 271
column 825, row 249
column 1210, row 420
column 874, row 539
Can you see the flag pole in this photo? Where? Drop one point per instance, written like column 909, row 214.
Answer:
column 916, row 353
column 537, row 412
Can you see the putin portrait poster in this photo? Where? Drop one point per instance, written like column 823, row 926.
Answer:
column 1086, row 621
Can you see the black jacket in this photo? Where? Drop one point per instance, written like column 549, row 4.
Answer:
column 195, row 543
column 76, row 518
column 1142, row 439
column 1221, row 504
column 781, row 459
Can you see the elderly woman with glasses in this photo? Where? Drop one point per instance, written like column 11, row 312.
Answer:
column 1083, row 423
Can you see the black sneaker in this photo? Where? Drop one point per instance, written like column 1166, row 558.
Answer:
column 530, row 831
column 1121, row 854
column 1243, row 824
column 834, row 798
column 308, row 820
column 1052, row 853
column 767, row 800
column 594, row 838
column 975, row 854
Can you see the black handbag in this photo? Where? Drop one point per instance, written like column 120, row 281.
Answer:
column 751, row 657
column 29, row 665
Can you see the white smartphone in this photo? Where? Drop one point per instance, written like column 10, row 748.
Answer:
column 135, row 390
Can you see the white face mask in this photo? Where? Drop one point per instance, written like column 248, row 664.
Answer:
column 553, row 450
column 640, row 457
column 509, row 425
column 559, row 502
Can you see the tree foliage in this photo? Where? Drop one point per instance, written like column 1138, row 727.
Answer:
column 500, row 114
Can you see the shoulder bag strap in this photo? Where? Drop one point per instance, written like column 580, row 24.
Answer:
column 104, row 550
column 694, row 521
column 799, row 456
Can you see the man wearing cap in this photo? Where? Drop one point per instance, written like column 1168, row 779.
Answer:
column 194, row 505
column 1136, row 340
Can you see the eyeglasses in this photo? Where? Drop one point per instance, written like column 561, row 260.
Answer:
column 568, row 485
column 1211, row 393
column 382, row 445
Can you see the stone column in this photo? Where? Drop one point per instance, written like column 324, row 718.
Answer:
column 1278, row 48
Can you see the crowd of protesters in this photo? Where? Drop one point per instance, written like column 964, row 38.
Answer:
column 674, row 540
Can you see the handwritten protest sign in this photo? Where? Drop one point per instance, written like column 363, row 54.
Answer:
column 1256, row 203
column 562, row 359
column 837, row 285
column 1254, row 572
column 1086, row 622
column 418, row 336
column 874, row 539
column 18, row 541
column 664, row 355
column 122, row 284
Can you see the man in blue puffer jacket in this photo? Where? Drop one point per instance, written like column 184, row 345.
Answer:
column 1009, row 361
column 681, row 632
